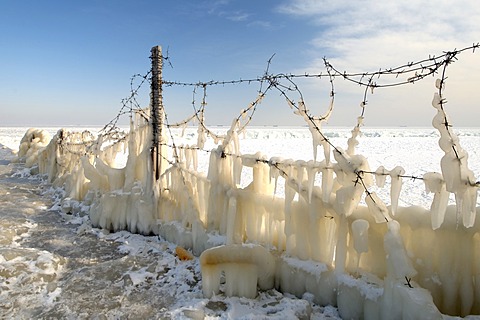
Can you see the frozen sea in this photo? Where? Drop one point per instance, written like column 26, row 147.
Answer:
column 54, row 265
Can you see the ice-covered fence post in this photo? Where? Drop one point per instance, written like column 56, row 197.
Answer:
column 157, row 112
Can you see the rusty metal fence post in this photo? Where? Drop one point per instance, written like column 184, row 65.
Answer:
column 157, row 112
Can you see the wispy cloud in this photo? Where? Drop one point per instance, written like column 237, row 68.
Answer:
column 215, row 6
column 237, row 16
column 223, row 9
column 261, row 24
column 367, row 28
column 366, row 35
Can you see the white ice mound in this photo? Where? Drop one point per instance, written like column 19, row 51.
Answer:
column 244, row 267
column 31, row 144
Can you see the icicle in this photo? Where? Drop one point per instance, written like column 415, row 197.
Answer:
column 289, row 196
column 466, row 201
column 237, row 169
column 236, row 143
column 202, row 200
column 231, row 218
column 274, row 172
column 434, row 183
column 352, row 142
column 343, row 166
column 300, row 172
column 341, row 245
column 212, row 174
column 315, row 127
column 327, row 183
column 469, row 211
column 201, row 136
column 311, row 172
column 399, row 266
column 459, row 179
column 360, row 235
column 396, row 187
column 188, row 156
column 195, row 159
column 288, row 163
column 183, row 127
column 454, row 172
column 381, row 176
column 316, row 143
column 377, row 208
column 348, row 198
column 326, row 150
column 261, row 178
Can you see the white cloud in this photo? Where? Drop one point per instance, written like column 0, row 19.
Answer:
column 221, row 9
column 366, row 35
column 388, row 28
column 237, row 16
column 215, row 6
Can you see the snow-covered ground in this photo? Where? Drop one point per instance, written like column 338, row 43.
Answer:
column 57, row 266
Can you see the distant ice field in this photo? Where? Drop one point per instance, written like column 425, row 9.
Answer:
column 414, row 149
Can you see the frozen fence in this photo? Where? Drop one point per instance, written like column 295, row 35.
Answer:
column 330, row 234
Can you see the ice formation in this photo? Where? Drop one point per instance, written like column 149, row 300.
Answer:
column 244, row 267
column 336, row 239
column 32, row 142
column 459, row 179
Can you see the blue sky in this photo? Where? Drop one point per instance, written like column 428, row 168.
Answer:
column 70, row 62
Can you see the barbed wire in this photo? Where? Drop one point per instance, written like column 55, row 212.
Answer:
column 360, row 172
column 285, row 84
column 129, row 104
column 419, row 70
column 414, row 71
column 422, row 68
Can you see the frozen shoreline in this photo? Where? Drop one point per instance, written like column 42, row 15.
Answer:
column 57, row 265
column 388, row 146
